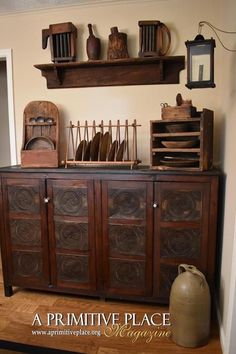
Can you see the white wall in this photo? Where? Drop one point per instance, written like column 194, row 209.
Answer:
column 5, row 158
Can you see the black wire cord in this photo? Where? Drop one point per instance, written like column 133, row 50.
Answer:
column 214, row 29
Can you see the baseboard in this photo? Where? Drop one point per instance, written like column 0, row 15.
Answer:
column 228, row 341
column 221, row 329
column 222, row 333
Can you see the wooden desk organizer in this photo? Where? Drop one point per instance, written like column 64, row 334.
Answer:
column 40, row 147
column 62, row 41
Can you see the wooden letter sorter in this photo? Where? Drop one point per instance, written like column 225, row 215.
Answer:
column 183, row 144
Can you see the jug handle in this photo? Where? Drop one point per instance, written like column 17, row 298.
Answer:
column 160, row 38
column 193, row 270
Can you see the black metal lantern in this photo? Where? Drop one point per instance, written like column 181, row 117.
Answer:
column 200, row 62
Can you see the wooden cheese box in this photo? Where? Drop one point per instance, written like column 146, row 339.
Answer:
column 178, row 112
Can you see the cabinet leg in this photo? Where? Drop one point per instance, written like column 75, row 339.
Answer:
column 8, row 290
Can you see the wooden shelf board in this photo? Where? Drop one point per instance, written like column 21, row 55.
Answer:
column 118, row 72
column 176, row 150
column 130, row 163
column 167, row 168
column 166, row 135
column 177, row 120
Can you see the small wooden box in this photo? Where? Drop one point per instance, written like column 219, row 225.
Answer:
column 178, row 112
column 183, row 144
column 40, row 147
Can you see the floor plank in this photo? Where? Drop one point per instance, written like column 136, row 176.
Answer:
column 17, row 314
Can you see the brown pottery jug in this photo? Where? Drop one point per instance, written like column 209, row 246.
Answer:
column 190, row 308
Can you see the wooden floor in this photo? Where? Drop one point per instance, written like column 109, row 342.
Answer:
column 17, row 314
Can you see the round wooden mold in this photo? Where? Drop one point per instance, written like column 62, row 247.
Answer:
column 39, row 143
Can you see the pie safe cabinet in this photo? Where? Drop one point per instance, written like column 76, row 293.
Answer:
column 106, row 233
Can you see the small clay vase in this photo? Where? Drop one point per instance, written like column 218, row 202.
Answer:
column 190, row 308
column 93, row 46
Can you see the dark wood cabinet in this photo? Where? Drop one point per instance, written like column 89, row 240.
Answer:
column 107, row 233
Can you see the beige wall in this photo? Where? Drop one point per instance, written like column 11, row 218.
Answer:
column 22, row 33
column 228, row 143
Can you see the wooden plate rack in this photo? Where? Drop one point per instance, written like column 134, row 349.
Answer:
column 102, row 144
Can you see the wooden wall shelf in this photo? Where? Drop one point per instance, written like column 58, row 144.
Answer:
column 119, row 72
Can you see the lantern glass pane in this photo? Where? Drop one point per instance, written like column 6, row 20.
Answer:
column 200, row 63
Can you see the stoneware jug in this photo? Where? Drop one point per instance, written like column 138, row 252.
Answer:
column 93, row 45
column 190, row 308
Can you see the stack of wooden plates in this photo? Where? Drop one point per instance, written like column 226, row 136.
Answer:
column 100, row 148
column 180, row 144
column 179, row 161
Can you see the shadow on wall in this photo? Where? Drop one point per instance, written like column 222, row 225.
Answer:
column 219, row 290
column 219, row 152
column 232, row 77
column 63, row 132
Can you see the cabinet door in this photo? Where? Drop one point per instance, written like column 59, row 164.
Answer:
column 127, row 237
column 71, row 229
column 26, row 232
column 181, row 230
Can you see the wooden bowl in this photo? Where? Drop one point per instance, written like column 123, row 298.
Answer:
column 177, row 127
column 174, row 144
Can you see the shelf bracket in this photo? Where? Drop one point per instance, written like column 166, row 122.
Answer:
column 59, row 73
column 161, row 70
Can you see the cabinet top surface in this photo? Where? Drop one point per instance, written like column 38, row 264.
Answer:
column 139, row 170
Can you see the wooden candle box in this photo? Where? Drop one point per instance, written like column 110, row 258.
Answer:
column 62, row 39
